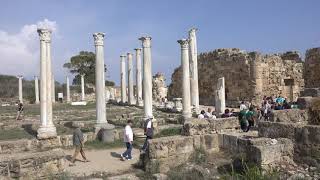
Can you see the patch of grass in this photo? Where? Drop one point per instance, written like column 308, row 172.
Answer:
column 169, row 132
column 179, row 173
column 15, row 133
column 96, row 144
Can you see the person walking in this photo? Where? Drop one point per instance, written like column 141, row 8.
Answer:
column 128, row 139
column 19, row 110
column 78, row 142
column 148, row 131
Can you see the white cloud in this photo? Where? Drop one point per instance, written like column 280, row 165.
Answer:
column 19, row 52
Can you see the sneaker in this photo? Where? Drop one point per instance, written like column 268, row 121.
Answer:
column 129, row 159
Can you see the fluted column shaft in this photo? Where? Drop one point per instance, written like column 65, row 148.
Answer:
column 220, row 104
column 82, row 88
column 36, row 89
column 139, row 101
column 193, row 53
column 123, row 78
column 147, row 76
column 186, row 112
column 68, row 90
column 20, row 88
column 130, row 79
column 49, row 80
column 53, row 90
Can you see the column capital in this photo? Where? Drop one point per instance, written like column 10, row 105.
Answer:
column 146, row 41
column 193, row 30
column 19, row 76
column 98, row 38
column 44, row 34
column 123, row 56
column 82, row 75
column 129, row 54
column 36, row 77
column 184, row 43
column 138, row 49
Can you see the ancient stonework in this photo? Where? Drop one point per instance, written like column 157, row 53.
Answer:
column 159, row 88
column 248, row 76
column 312, row 66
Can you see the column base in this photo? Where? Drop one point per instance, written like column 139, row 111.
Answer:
column 104, row 132
column 47, row 132
column 105, row 125
column 140, row 103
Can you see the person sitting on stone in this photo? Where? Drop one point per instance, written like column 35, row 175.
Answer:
column 128, row 139
column 243, row 106
column 226, row 113
column 201, row 115
column 213, row 116
column 78, row 143
column 208, row 114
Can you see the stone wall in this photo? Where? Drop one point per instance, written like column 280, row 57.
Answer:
column 248, row 76
column 312, row 66
column 290, row 116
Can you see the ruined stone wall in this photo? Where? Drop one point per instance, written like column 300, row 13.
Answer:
column 312, row 66
column 248, row 76
column 159, row 88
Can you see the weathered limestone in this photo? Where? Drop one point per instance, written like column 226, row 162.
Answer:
column 20, row 88
column 130, row 79
column 177, row 104
column 147, row 76
column 82, row 88
column 53, row 90
column 139, row 101
column 36, row 89
column 193, row 54
column 186, row 112
column 100, row 84
column 68, row 89
column 311, row 68
column 47, row 128
column 123, row 79
column 159, row 88
column 49, row 79
column 220, row 99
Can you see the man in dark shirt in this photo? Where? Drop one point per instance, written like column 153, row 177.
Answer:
column 19, row 110
column 78, row 143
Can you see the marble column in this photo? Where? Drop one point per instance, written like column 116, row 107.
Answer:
column 20, row 88
column 220, row 104
column 53, row 90
column 68, row 89
column 147, row 76
column 100, row 84
column 139, row 101
column 36, row 89
column 186, row 111
column 47, row 128
column 193, row 54
column 123, row 78
column 82, row 88
column 130, row 79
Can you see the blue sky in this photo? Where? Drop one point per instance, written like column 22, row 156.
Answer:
column 268, row 26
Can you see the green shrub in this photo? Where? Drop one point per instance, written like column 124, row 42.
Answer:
column 169, row 132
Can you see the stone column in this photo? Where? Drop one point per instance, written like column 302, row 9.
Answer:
column 47, row 128
column 36, row 89
column 53, row 90
column 68, row 89
column 186, row 112
column 20, row 88
column 220, row 104
column 139, row 101
column 123, row 78
column 147, row 76
column 82, row 88
column 193, row 54
column 130, row 79
column 100, row 84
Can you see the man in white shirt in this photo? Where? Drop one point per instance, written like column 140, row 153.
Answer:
column 243, row 106
column 128, row 139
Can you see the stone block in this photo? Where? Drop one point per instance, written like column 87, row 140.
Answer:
column 304, row 102
column 290, row 116
column 210, row 142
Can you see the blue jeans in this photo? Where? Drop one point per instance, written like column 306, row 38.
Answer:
column 146, row 143
column 127, row 153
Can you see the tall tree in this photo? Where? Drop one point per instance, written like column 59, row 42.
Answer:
column 84, row 63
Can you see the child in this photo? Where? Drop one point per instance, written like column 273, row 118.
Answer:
column 128, row 139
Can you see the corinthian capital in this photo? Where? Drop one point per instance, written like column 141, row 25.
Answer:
column 98, row 38
column 146, row 41
column 44, row 34
column 184, row 43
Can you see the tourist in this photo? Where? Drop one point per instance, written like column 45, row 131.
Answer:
column 128, row 139
column 78, row 143
column 208, row 114
column 201, row 115
column 250, row 118
column 243, row 120
column 242, row 106
column 19, row 110
column 226, row 114
column 213, row 116
column 266, row 110
column 148, row 131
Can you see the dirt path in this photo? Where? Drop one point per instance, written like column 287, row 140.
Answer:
column 106, row 160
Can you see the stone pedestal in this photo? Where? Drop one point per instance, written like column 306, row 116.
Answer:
column 106, row 135
column 20, row 88
column 186, row 112
column 220, row 104
column 193, row 54
column 130, row 79
column 123, row 79
column 36, row 89
column 100, row 84
column 177, row 104
column 147, row 76
column 82, row 88
column 139, row 101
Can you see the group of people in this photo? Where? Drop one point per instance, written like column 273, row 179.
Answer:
column 279, row 103
column 78, row 141
column 212, row 115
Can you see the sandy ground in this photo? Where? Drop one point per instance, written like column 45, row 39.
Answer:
column 106, row 160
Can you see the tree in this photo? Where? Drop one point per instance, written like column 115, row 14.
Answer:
column 83, row 63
